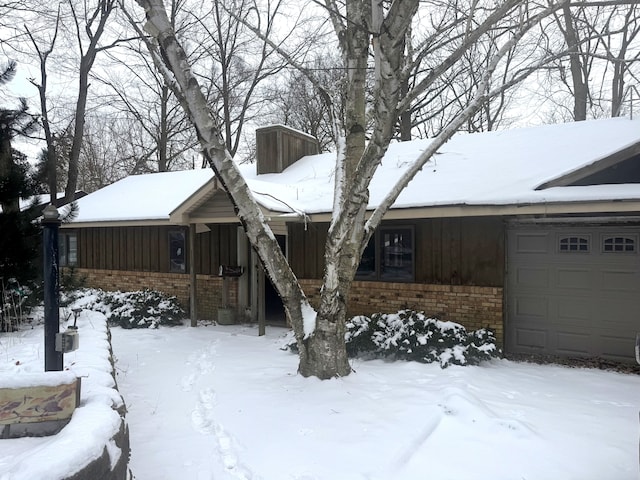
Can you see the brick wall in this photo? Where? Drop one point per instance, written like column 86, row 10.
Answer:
column 474, row 307
column 209, row 295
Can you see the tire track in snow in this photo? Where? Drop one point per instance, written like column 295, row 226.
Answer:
column 416, row 444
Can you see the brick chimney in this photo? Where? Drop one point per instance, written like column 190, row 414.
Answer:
column 279, row 146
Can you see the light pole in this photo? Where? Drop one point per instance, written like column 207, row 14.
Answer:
column 52, row 359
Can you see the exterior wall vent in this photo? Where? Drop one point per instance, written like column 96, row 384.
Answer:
column 279, row 146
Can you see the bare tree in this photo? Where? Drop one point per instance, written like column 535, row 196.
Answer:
column 88, row 24
column 101, row 156
column 92, row 23
column 362, row 29
column 160, row 136
column 239, row 64
column 580, row 55
column 602, row 49
column 297, row 102
column 49, row 158
column 623, row 53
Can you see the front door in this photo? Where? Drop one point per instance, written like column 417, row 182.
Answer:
column 273, row 308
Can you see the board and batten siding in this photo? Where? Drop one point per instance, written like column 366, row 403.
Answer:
column 146, row 249
column 278, row 146
column 216, row 247
column 449, row 251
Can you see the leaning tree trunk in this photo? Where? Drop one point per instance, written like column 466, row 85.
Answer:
column 321, row 337
column 172, row 62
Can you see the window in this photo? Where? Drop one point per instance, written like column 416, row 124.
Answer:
column 388, row 256
column 176, row 252
column 397, row 254
column 67, row 249
column 367, row 268
column 574, row 244
column 619, row 244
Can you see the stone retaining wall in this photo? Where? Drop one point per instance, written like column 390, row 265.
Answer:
column 101, row 468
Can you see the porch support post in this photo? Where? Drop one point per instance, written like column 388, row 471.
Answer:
column 193, row 290
column 243, row 281
column 257, row 293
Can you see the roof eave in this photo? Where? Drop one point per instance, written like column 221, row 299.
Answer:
column 466, row 210
column 180, row 214
column 150, row 222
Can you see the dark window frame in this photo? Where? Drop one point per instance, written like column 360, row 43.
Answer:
column 379, row 264
column 177, row 251
column 67, row 249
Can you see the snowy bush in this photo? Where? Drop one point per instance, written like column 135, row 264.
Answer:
column 14, row 304
column 139, row 309
column 71, row 280
column 410, row 335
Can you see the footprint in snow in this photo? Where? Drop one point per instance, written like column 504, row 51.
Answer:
column 204, row 422
column 202, row 416
column 187, row 382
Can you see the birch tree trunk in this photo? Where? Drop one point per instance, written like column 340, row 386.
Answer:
column 171, row 60
column 321, row 337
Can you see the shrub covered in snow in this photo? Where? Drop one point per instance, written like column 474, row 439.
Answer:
column 139, row 309
column 410, row 335
column 71, row 280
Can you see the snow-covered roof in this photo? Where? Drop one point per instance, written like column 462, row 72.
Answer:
column 141, row 197
column 493, row 168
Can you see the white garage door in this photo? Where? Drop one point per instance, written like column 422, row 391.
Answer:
column 573, row 291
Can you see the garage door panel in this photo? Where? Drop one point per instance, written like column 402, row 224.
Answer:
column 535, row 243
column 530, row 306
column 574, row 279
column 530, row 339
column 532, row 277
column 572, row 312
column 573, row 343
column 617, row 313
column 619, row 280
column 615, row 346
column 571, row 293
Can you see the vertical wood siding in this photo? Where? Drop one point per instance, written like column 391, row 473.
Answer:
column 146, row 249
column 452, row 251
column 278, row 147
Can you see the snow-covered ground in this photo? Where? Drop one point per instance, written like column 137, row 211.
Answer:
column 94, row 422
column 219, row 402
